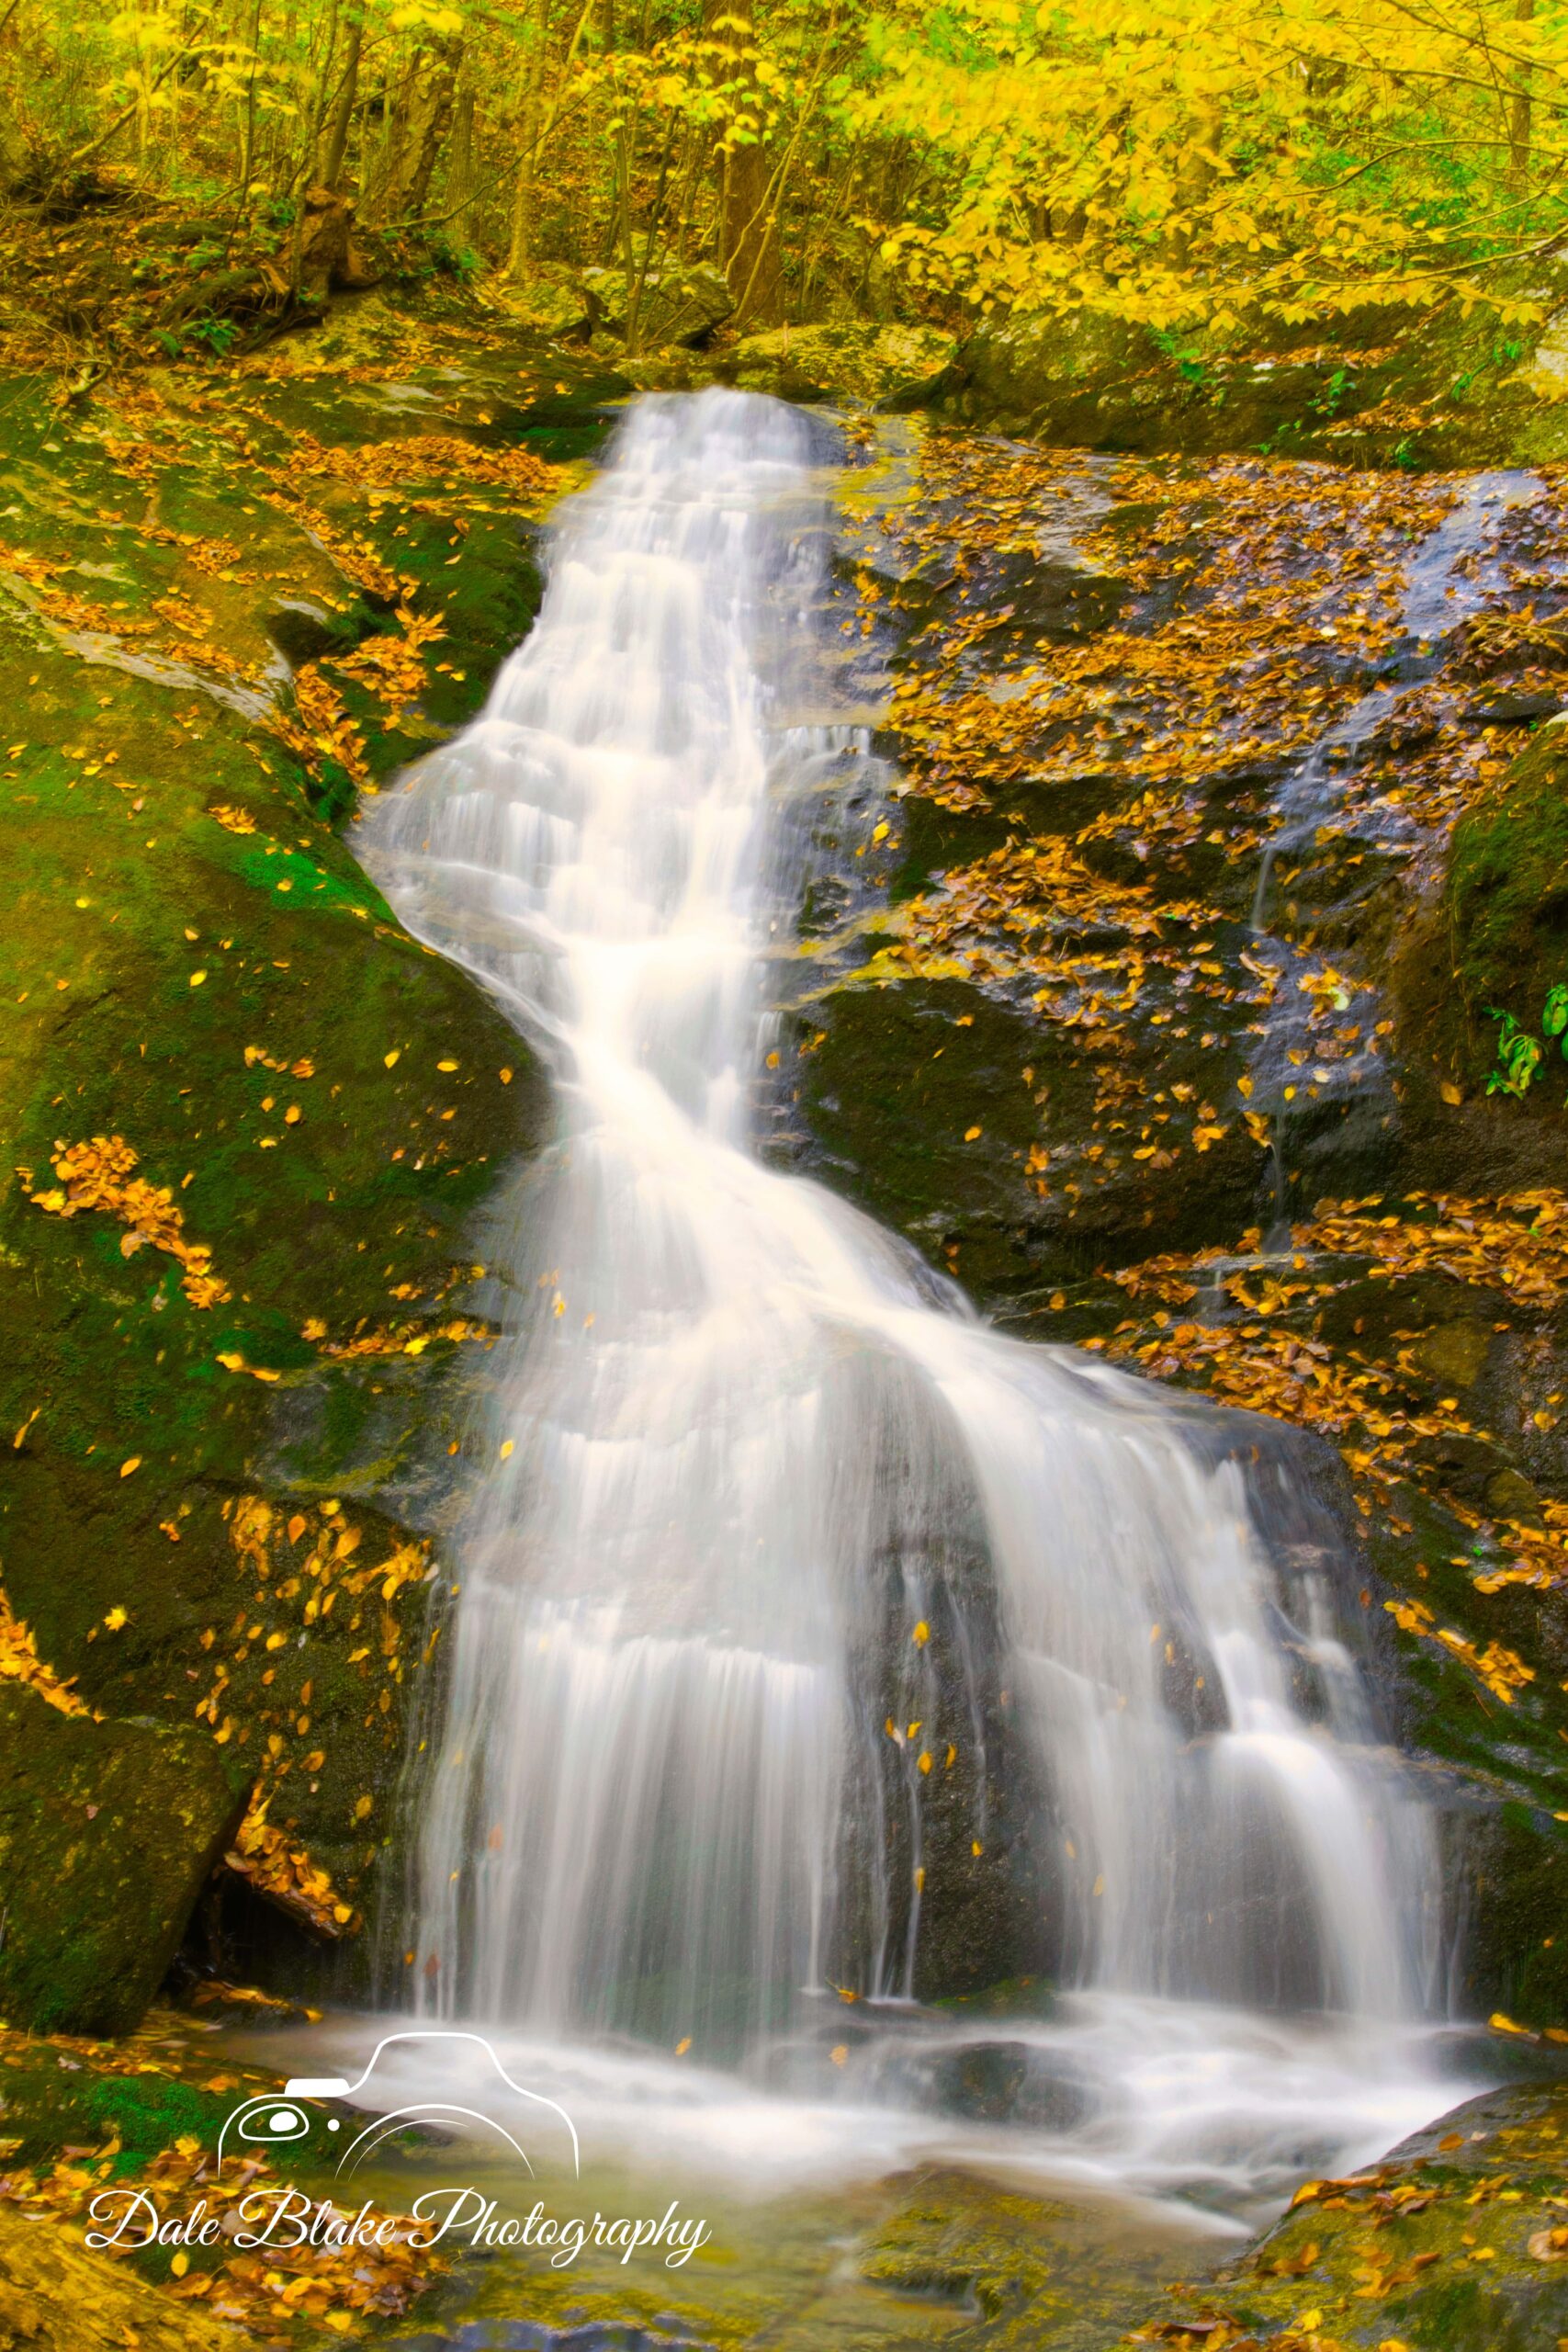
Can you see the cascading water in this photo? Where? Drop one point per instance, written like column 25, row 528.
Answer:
column 774, row 1535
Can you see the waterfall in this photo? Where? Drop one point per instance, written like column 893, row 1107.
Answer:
column 771, row 1537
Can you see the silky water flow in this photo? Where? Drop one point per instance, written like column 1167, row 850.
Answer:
column 805, row 1611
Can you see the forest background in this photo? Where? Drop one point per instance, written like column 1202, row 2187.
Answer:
column 1196, row 167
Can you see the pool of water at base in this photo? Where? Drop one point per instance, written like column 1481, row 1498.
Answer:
column 908, row 2183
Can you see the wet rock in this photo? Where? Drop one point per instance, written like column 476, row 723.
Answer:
column 1010, row 2082
column 983, row 2081
column 943, row 1842
column 894, row 1078
column 1509, row 1859
column 1450, row 2240
column 1040, row 1161
column 1514, row 710
column 108, row 1832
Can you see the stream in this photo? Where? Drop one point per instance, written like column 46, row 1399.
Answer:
column 805, row 1622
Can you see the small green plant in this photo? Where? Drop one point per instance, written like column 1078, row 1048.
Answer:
column 219, row 335
column 1334, row 392
column 449, row 260
column 1519, row 1057
column 1521, row 1052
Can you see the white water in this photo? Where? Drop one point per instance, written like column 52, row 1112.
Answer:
column 758, row 1447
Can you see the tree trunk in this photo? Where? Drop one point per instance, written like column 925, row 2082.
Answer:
column 1520, row 113
column 343, row 113
column 16, row 157
column 519, row 252
column 388, row 162
column 461, row 171
column 749, row 245
column 431, row 94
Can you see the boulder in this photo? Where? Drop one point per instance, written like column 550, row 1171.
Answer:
column 893, row 367
column 680, row 302
column 108, row 1831
column 1040, row 373
column 551, row 302
column 1382, row 384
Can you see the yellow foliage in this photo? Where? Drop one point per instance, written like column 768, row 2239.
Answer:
column 20, row 1662
column 280, row 1866
column 1179, row 164
column 100, row 1175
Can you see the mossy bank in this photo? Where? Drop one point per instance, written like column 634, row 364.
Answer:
column 250, row 1123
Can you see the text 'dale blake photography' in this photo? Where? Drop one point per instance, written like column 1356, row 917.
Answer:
column 784, row 1235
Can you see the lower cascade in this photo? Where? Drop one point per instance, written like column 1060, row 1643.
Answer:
column 821, row 1652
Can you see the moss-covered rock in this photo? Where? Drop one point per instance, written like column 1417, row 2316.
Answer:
column 1379, row 388
column 1453, row 2242
column 55, row 2296
column 937, row 1106
column 999, row 2267
column 227, row 607
column 681, row 303
column 107, row 1832
column 894, row 367
column 1506, row 899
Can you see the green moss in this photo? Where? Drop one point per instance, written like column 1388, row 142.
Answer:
column 1506, row 901
column 188, row 986
column 1382, row 387
column 927, row 2257
column 1429, row 2248
column 107, row 1832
